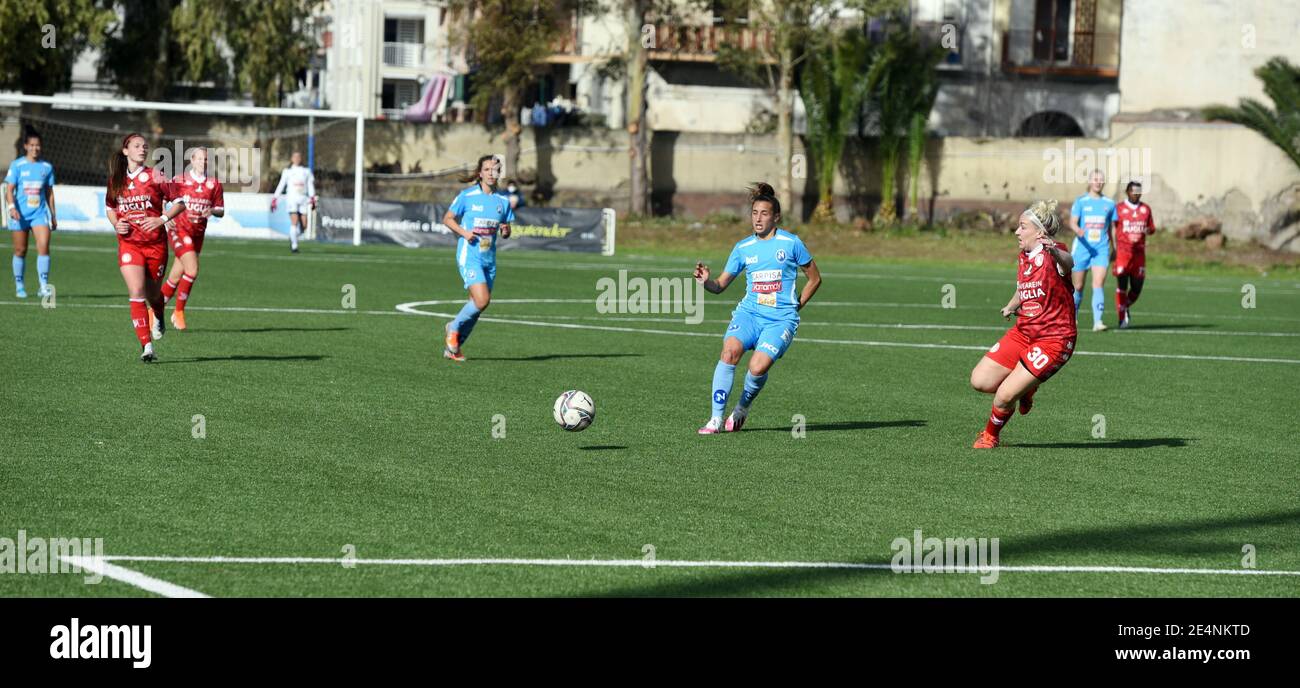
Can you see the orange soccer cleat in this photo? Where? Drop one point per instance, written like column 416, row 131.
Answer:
column 453, row 340
column 178, row 319
column 986, row 440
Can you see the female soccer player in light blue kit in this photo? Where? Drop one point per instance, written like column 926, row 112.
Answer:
column 768, row 317
column 1092, row 218
column 29, row 186
column 480, row 216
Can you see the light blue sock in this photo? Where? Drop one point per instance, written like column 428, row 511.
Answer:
column 723, row 377
column 1078, row 299
column 753, row 385
column 1098, row 304
column 465, row 318
column 43, row 269
column 19, row 265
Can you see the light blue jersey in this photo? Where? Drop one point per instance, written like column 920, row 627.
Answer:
column 1094, row 216
column 30, row 181
column 480, row 213
column 770, row 266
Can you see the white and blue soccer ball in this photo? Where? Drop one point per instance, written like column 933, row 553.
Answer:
column 574, row 410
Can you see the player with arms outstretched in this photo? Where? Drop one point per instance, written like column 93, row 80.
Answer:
column 299, row 187
column 479, row 215
column 767, row 319
column 29, row 188
column 204, row 198
column 1042, row 340
column 134, row 205
column 1092, row 219
column 1134, row 221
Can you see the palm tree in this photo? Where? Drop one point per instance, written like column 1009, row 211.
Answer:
column 833, row 92
column 1281, row 124
column 903, row 87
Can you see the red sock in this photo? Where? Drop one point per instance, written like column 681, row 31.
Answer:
column 168, row 288
column 183, row 292
column 140, row 320
column 1121, row 301
column 996, row 420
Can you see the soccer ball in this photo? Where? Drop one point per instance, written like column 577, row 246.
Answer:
column 574, row 410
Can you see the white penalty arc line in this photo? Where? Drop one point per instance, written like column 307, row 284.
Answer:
column 684, row 563
column 413, row 308
column 100, row 566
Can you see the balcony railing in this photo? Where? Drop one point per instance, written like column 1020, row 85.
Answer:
column 404, row 55
column 1083, row 54
column 701, row 43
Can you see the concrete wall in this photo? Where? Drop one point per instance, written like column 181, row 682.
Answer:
column 1180, row 54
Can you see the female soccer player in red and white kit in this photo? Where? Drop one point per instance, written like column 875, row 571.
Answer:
column 204, row 198
column 1133, row 222
column 1042, row 339
column 134, row 205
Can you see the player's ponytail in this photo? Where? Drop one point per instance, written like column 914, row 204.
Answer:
column 762, row 191
column 117, row 166
column 1043, row 215
column 478, row 167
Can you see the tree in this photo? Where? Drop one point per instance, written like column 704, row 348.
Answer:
column 833, row 91
column 1280, row 124
column 635, row 15
column 774, row 63
column 510, row 41
column 903, row 89
column 41, row 42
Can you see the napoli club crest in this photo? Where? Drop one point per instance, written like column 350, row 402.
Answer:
column 780, row 255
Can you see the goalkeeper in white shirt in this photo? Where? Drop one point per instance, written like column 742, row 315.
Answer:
column 299, row 188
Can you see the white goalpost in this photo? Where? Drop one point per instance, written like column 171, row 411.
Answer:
column 78, row 134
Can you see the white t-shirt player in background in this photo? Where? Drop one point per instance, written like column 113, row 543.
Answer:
column 299, row 188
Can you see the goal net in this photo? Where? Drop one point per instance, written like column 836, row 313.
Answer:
column 248, row 148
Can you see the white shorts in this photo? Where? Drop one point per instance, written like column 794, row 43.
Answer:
column 297, row 204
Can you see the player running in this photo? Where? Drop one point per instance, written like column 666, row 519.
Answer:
column 204, row 198
column 767, row 318
column 299, row 186
column 1134, row 223
column 1042, row 339
column 479, row 215
column 1091, row 219
column 31, row 180
column 134, row 205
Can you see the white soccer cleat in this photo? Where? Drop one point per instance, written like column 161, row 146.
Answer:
column 156, row 327
column 1099, row 326
column 147, row 356
column 736, row 419
column 1125, row 321
column 712, row 427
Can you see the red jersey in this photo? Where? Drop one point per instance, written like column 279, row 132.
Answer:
column 200, row 194
column 1046, row 296
column 1135, row 223
column 143, row 197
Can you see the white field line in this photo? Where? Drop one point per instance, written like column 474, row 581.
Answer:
column 683, row 563
column 101, row 566
column 412, row 307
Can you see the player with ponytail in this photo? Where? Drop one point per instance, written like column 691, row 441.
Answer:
column 1042, row 340
column 766, row 319
column 479, row 215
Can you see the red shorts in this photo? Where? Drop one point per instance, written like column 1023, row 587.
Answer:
column 1041, row 357
column 186, row 240
column 1132, row 265
column 153, row 257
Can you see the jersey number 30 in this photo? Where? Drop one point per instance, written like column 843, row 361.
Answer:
column 1038, row 358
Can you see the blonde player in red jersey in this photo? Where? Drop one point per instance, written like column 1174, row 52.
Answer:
column 134, row 206
column 1042, row 339
column 1133, row 223
column 204, row 198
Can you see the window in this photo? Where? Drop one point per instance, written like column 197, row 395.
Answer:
column 403, row 30
column 1052, row 30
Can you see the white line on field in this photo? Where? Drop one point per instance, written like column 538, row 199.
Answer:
column 101, row 566
column 413, row 307
column 683, row 563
